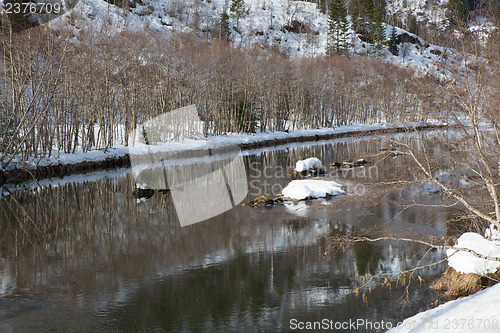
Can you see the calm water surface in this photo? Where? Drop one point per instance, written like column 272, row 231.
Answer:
column 86, row 256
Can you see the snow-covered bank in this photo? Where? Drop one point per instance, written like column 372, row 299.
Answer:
column 90, row 175
column 466, row 262
column 476, row 313
column 245, row 141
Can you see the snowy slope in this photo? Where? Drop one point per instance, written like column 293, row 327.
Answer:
column 476, row 313
column 428, row 12
column 266, row 24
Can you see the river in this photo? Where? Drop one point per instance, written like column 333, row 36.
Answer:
column 81, row 254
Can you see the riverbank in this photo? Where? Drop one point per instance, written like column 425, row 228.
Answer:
column 119, row 156
column 475, row 313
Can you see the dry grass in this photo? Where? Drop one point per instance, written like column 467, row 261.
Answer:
column 265, row 201
column 453, row 284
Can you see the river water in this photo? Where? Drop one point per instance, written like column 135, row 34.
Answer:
column 81, row 254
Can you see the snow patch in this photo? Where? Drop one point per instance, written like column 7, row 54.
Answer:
column 466, row 262
column 311, row 163
column 264, row 24
column 492, row 233
column 475, row 313
column 309, row 188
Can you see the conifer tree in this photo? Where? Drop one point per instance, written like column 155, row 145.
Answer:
column 368, row 22
column 224, row 26
column 393, row 47
column 238, row 9
column 378, row 30
column 362, row 15
column 338, row 27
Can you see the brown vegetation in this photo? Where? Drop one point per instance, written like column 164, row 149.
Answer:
column 453, row 284
column 67, row 95
column 265, row 201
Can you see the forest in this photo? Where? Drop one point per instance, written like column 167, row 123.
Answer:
column 90, row 95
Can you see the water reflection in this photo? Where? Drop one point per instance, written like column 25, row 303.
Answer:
column 90, row 250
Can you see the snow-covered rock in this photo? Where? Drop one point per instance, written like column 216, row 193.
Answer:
column 466, row 262
column 311, row 163
column 310, row 188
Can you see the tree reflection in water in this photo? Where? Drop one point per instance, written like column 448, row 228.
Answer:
column 91, row 249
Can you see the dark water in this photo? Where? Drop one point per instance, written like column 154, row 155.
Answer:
column 86, row 256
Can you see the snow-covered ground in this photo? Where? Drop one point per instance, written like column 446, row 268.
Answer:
column 267, row 24
column 188, row 144
column 466, row 262
column 102, row 174
column 476, row 313
column 431, row 13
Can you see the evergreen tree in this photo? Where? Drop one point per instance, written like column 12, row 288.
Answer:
column 368, row 22
column 378, row 30
column 338, row 27
column 224, row 26
column 393, row 47
column 362, row 16
column 238, row 9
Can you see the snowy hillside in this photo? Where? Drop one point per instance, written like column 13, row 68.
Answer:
column 428, row 12
column 297, row 28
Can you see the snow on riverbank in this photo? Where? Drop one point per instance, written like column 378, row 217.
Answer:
column 231, row 139
column 476, row 313
column 466, row 262
column 310, row 188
